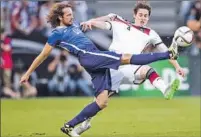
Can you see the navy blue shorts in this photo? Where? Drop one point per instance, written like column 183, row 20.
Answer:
column 98, row 65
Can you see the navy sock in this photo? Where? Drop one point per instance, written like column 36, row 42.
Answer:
column 143, row 59
column 89, row 111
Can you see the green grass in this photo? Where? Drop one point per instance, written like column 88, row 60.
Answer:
column 124, row 117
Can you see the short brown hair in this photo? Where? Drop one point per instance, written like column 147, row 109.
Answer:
column 142, row 6
column 55, row 13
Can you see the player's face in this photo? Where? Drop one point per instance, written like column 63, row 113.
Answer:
column 141, row 17
column 67, row 18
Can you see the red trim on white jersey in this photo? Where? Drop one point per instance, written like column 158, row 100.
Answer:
column 142, row 29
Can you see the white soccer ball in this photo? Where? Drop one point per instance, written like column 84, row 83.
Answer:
column 184, row 36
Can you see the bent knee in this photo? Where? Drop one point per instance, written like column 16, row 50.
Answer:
column 102, row 103
column 125, row 59
column 143, row 71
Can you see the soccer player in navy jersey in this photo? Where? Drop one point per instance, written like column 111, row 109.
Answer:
column 100, row 65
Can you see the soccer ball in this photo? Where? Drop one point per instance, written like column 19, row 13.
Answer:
column 184, row 36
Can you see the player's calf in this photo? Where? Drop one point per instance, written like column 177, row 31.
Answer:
column 86, row 125
column 167, row 90
column 146, row 72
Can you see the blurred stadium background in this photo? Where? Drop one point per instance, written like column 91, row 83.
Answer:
column 59, row 87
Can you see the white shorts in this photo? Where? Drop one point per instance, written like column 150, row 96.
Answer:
column 126, row 74
column 131, row 74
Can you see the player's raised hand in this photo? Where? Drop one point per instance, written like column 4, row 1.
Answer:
column 24, row 79
column 181, row 71
column 86, row 25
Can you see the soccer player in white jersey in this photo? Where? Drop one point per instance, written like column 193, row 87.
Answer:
column 134, row 38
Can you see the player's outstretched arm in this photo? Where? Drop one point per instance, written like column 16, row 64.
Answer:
column 102, row 18
column 38, row 60
column 88, row 24
column 108, row 17
column 96, row 24
column 178, row 68
column 163, row 48
column 175, row 63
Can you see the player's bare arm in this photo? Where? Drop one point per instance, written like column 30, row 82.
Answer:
column 96, row 24
column 162, row 48
column 88, row 24
column 178, row 68
column 38, row 60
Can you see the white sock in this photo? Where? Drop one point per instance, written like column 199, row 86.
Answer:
column 160, row 84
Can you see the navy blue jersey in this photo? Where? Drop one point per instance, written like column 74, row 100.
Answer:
column 96, row 62
column 71, row 38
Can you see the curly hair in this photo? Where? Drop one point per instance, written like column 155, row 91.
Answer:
column 142, row 5
column 55, row 13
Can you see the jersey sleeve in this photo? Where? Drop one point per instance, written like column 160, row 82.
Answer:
column 156, row 41
column 54, row 38
column 113, row 17
column 155, row 38
column 108, row 25
column 160, row 48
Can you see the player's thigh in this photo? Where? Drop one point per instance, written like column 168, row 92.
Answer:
column 134, row 73
column 129, row 72
column 98, row 60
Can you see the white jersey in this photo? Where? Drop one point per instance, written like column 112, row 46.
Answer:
column 128, row 38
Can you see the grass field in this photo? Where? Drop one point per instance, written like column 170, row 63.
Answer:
column 125, row 117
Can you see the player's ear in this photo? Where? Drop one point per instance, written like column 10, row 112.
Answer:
column 148, row 17
column 60, row 18
column 134, row 15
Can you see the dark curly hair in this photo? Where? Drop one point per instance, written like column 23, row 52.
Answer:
column 55, row 13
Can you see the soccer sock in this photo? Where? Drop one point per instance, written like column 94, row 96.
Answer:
column 157, row 82
column 89, row 111
column 143, row 59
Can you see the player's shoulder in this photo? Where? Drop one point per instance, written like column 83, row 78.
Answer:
column 58, row 29
column 153, row 32
column 150, row 31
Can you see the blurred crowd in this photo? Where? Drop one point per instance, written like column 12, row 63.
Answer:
column 68, row 78
column 190, row 14
column 26, row 19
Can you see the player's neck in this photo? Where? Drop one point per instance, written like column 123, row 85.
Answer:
column 62, row 25
column 138, row 25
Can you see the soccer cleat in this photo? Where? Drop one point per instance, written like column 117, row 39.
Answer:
column 172, row 88
column 173, row 49
column 83, row 127
column 69, row 131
